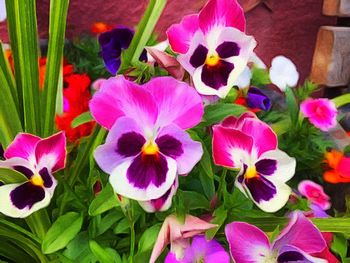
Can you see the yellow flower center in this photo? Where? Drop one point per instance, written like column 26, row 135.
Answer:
column 251, row 172
column 212, row 60
column 150, row 148
column 37, row 180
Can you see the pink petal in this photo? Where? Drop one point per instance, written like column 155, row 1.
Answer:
column 177, row 102
column 344, row 167
column 119, row 97
column 172, row 230
column 301, row 233
column 22, row 146
column 234, row 122
column 225, row 13
column 314, row 192
column 230, row 146
column 180, row 35
column 247, row 242
column 51, row 152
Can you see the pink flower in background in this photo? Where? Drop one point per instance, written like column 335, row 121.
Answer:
column 36, row 159
column 250, row 145
column 314, row 193
column 321, row 112
column 178, row 235
column 296, row 242
column 147, row 147
column 212, row 46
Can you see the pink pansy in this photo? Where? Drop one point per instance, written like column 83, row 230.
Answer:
column 250, row 145
column 178, row 235
column 147, row 146
column 212, row 46
column 36, row 159
column 297, row 241
column 314, row 193
column 321, row 112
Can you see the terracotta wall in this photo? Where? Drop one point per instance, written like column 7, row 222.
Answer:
column 289, row 28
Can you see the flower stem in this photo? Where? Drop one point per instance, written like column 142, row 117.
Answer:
column 341, row 100
column 132, row 242
column 39, row 223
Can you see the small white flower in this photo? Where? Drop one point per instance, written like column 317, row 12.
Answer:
column 283, row 73
column 243, row 80
column 2, row 10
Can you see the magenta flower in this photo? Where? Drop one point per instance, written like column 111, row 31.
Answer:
column 212, row 45
column 178, row 235
column 314, row 193
column 201, row 250
column 146, row 146
column 297, row 241
column 321, row 112
column 250, row 145
column 36, row 159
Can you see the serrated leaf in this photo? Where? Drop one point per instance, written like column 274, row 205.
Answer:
column 63, row 230
column 104, row 201
column 82, row 119
column 9, row 176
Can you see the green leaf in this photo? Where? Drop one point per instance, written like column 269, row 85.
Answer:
column 340, row 245
column 123, row 227
column 194, row 200
column 143, row 33
column 63, row 230
column 104, row 201
column 82, row 119
column 292, row 105
column 57, row 27
column 260, row 77
column 22, row 25
column 274, row 234
column 104, row 255
column 207, row 184
column 220, row 215
column 217, row 112
column 109, row 220
column 9, row 176
column 148, row 238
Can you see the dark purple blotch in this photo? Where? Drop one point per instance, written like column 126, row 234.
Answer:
column 26, row 195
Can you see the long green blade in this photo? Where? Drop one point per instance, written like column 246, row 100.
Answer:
column 58, row 17
column 22, row 25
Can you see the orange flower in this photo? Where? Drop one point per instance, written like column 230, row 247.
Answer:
column 100, row 27
column 339, row 165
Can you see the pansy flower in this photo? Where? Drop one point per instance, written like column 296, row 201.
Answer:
column 296, row 243
column 178, row 235
column 212, row 46
column 314, row 193
column 321, row 112
column 112, row 43
column 146, row 146
column 250, row 145
column 37, row 159
column 201, row 250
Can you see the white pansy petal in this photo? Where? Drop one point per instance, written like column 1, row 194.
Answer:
column 243, row 79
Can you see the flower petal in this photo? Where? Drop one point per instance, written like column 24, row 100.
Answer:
column 314, row 193
column 163, row 203
column 293, row 254
column 21, row 200
column 283, row 73
column 257, row 99
column 23, row 146
column 226, row 13
column 177, row 102
column 247, row 242
column 124, row 140
column 144, row 177
column 230, row 147
column 301, row 233
column 191, row 151
column 119, row 97
column 20, row 165
column 285, row 165
column 180, row 35
column 51, row 152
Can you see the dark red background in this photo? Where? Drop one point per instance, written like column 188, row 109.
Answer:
column 289, row 29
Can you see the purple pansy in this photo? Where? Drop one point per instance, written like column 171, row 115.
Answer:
column 201, row 250
column 147, row 146
column 112, row 43
column 256, row 99
column 212, row 46
column 248, row 144
column 36, row 159
column 297, row 241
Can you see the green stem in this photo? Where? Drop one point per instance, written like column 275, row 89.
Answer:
column 221, row 183
column 39, row 223
column 132, row 242
column 341, row 100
